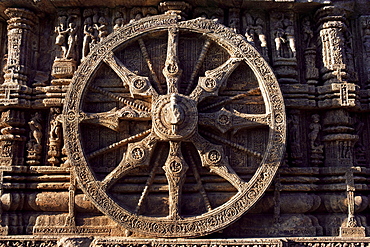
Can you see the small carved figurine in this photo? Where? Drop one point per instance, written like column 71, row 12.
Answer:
column 72, row 40
column 102, row 28
column 88, row 36
column 36, row 128
column 284, row 33
column 119, row 21
column 61, row 35
column 315, row 128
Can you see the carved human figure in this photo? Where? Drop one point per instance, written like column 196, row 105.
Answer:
column 36, row 128
column 307, row 32
column 259, row 31
column 279, row 33
column 294, row 137
column 315, row 128
column 289, row 32
column 61, row 31
column 360, row 150
column 137, row 17
column 102, row 28
column 284, row 33
column 72, row 40
column 119, row 21
column 55, row 128
column 34, row 147
column 254, row 28
column 234, row 24
column 248, row 25
column 88, row 36
column 366, row 38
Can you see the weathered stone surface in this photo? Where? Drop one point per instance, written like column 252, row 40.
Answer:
column 182, row 119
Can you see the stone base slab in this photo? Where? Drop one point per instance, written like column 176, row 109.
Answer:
column 51, row 241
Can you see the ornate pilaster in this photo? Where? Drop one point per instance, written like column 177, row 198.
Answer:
column 12, row 139
column 365, row 31
column 14, row 90
column 337, row 70
column 340, row 139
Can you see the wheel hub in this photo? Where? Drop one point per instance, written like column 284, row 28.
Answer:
column 175, row 117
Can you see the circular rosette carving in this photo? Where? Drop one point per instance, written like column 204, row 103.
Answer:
column 174, row 128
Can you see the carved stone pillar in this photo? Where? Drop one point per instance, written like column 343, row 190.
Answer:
column 339, row 140
column 20, row 24
column 17, row 69
column 337, row 71
column 12, row 145
column 365, row 29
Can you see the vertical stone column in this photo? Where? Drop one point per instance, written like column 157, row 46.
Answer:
column 337, row 71
column 339, row 139
column 20, row 24
column 14, row 90
column 339, row 94
column 332, row 28
column 336, row 92
column 12, row 140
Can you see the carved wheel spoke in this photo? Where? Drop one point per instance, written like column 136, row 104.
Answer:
column 210, row 84
column 137, row 104
column 138, row 85
column 194, row 119
column 225, row 120
column 172, row 71
column 213, row 157
column 111, row 119
column 175, row 168
column 137, row 154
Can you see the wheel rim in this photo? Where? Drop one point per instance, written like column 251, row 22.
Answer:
column 175, row 116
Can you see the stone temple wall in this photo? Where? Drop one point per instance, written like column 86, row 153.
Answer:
column 144, row 123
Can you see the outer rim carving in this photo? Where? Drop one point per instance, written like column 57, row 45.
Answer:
column 219, row 217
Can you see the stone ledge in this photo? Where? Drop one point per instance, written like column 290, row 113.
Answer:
column 138, row 242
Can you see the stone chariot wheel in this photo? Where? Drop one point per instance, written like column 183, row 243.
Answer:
column 174, row 128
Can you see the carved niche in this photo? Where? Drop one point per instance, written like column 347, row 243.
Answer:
column 163, row 110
